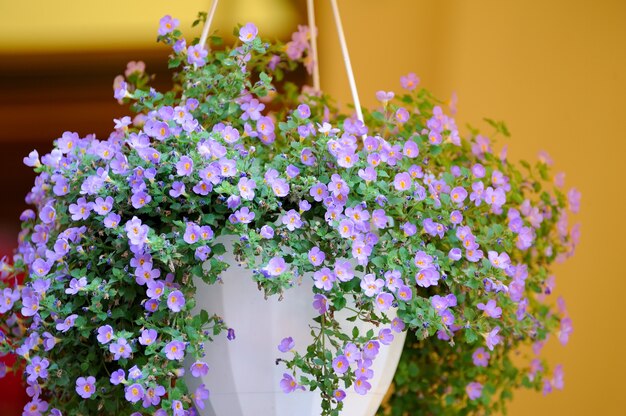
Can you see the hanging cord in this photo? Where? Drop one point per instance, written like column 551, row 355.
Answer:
column 346, row 59
column 207, row 24
column 313, row 32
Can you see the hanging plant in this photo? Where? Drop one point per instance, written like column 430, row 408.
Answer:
column 398, row 221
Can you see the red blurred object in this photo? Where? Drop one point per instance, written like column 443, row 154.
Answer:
column 12, row 392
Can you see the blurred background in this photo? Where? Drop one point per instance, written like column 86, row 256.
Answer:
column 555, row 71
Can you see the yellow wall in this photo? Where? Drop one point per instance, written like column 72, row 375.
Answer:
column 555, row 70
column 74, row 25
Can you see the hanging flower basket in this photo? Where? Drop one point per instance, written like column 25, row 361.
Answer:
column 239, row 235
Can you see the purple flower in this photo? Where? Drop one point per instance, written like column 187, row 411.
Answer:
column 32, row 160
column 320, row 303
column 402, row 116
column 178, row 408
column 316, row 256
column 86, row 387
column 276, row 266
column 192, row 233
column 397, row 325
column 495, row 197
column 491, row 309
column 492, row 338
column 280, row 187
column 370, row 350
column 458, row 195
column 38, row 368
column 112, row 220
column 573, row 200
column 152, row 397
column 347, row 158
column 30, row 304
column 404, row 293
column 140, row 199
column 136, row 231
column 557, row 377
column 338, row 186
column 456, row 217
column 8, row 298
column 146, row 274
column 343, row 270
column 118, row 377
column 167, row 24
column 324, row 279
column 368, row 174
column 230, row 334
column 155, row 288
column 174, row 350
column 199, row 369
column 361, row 386
column 178, row 189
column 474, row 390
column 105, row 334
column 339, row 395
column 370, row 285
column 200, row 395
column 480, row 357
column 47, row 214
column 288, row 383
column 433, row 228
column 76, row 285
column 318, row 192
column 267, row 232
column 230, row 134
column 148, row 337
column 184, row 167
column 384, row 96
column 246, row 188
column 385, row 336
column 120, row 349
column 151, row 305
column 291, row 220
column 307, row 157
column 252, row 110
column 286, row 344
column 292, row 171
column 565, row 330
column 176, row 301
column 248, row 32
column 402, row 181
column 409, row 229
column 244, row 215
column 384, row 301
column 196, row 55
column 500, row 261
column 379, row 218
column 409, row 81
column 427, row 277
column 363, row 369
column 134, row 393
column 346, row 228
column 341, row 364
column 303, row 111
column 40, row 267
column 67, row 323
column 81, row 209
column 103, row 206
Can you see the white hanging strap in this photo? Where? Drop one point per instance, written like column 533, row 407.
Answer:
column 313, row 33
column 207, row 24
column 346, row 59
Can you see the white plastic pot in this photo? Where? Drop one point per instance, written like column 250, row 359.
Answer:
column 244, row 379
